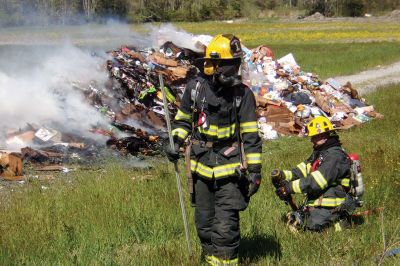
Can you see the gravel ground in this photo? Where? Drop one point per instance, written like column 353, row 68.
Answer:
column 369, row 80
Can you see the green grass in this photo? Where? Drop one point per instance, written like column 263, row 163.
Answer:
column 328, row 60
column 326, row 48
column 117, row 216
column 131, row 216
column 270, row 31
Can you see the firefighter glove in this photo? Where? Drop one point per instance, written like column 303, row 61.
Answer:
column 255, row 182
column 276, row 173
column 283, row 191
column 172, row 154
column 277, row 178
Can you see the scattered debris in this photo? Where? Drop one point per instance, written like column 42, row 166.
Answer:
column 287, row 97
column 131, row 102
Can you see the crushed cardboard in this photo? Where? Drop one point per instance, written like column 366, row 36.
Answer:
column 131, row 101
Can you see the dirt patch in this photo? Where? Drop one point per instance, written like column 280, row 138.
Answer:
column 315, row 16
column 370, row 80
column 395, row 14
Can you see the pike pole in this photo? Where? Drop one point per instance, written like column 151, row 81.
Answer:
column 178, row 180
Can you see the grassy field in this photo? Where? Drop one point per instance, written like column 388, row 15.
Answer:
column 118, row 215
column 295, row 32
column 328, row 48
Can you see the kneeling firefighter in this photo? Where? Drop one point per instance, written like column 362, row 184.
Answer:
column 223, row 154
column 325, row 177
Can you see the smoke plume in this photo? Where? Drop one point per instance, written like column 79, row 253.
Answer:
column 38, row 68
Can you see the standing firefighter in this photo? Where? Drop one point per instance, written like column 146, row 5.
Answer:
column 217, row 112
column 324, row 177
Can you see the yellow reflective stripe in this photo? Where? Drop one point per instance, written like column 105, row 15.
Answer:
column 303, row 168
column 320, row 179
column 217, row 172
column 226, row 132
column 180, row 132
column 209, row 259
column 201, row 169
column 210, row 131
column 170, row 96
column 183, row 116
column 225, row 170
column 296, row 186
column 308, row 168
column 248, row 127
column 253, row 158
column 327, row 202
column 288, row 175
column 214, row 131
column 338, row 227
column 221, row 262
column 345, row 182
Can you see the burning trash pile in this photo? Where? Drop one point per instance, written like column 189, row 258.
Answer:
column 130, row 101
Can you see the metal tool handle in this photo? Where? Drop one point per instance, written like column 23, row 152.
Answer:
column 178, row 180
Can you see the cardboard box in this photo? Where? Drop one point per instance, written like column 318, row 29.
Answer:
column 11, row 165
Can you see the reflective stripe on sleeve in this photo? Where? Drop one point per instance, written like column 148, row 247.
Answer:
column 288, row 175
column 253, row 158
column 170, row 96
column 180, row 132
column 248, row 127
column 303, row 168
column 320, row 179
column 183, row 116
column 296, row 186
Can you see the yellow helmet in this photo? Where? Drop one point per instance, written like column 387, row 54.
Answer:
column 221, row 47
column 318, row 126
column 224, row 46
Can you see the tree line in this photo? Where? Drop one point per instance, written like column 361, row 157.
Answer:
column 43, row 12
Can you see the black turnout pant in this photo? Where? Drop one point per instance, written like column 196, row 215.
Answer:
column 218, row 203
column 320, row 218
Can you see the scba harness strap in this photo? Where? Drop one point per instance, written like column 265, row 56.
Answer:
column 194, row 96
column 197, row 117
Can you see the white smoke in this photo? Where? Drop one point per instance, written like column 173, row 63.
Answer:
column 43, row 93
column 168, row 32
column 38, row 68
